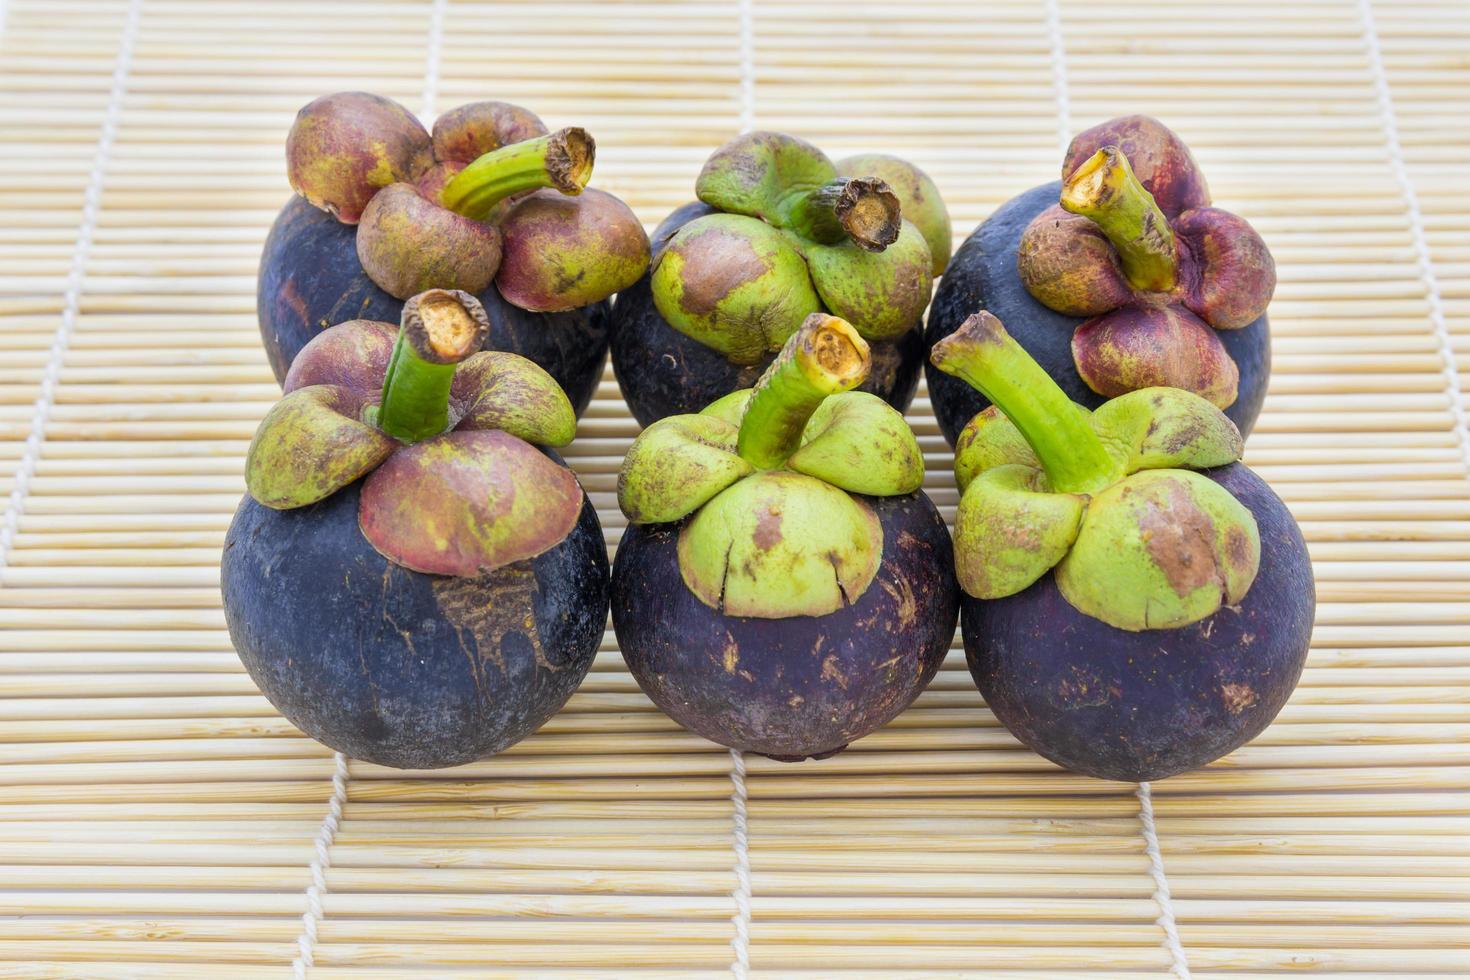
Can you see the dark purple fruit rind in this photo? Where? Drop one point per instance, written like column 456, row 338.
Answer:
column 802, row 686
column 1141, row 706
column 401, row 668
column 662, row 372
column 310, row 279
column 982, row 275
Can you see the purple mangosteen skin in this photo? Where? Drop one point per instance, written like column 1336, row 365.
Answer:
column 662, row 372
column 1142, row 706
column 798, row 687
column 982, row 275
column 310, row 279
column 398, row 667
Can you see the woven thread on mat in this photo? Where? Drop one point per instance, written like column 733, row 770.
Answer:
column 1162, row 898
column 1059, row 85
column 1416, row 230
column 325, row 835
column 76, row 278
column 431, row 65
column 747, row 65
column 741, row 919
column 1166, row 922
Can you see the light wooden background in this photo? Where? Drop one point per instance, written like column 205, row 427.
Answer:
column 158, row 820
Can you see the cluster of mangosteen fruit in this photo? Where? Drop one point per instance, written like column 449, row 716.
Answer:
column 415, row 577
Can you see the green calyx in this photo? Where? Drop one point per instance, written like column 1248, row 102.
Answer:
column 561, row 160
column 1109, row 498
column 445, row 438
column 794, row 237
column 765, row 479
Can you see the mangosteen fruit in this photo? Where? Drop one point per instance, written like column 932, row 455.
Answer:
column 489, row 203
column 780, row 232
column 414, row 578
column 784, row 586
column 1120, row 277
column 1137, row 602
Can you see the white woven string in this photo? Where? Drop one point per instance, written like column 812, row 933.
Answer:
column 741, row 919
column 1060, row 88
column 740, row 943
column 1165, row 920
column 325, row 835
column 431, row 66
column 747, row 65
column 76, row 279
column 1162, row 898
column 1416, row 230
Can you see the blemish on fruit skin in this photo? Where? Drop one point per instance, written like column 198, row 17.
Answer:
column 1237, row 697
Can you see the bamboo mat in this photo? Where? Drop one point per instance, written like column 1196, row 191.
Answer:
column 158, row 820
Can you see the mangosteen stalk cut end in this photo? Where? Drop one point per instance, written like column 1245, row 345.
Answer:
column 440, row 329
column 824, row 357
column 561, row 160
column 864, row 209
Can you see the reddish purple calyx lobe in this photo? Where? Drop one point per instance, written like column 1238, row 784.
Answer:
column 1136, row 339
column 465, row 502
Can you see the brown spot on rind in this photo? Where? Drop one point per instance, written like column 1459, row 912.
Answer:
column 1180, row 538
column 1237, row 697
column 716, row 262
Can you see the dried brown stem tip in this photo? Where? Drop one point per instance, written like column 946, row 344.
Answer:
column 862, row 208
column 570, row 154
column 445, row 326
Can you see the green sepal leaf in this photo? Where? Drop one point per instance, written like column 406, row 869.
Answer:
column 882, row 294
column 987, row 440
column 757, row 173
column 498, row 390
column 857, row 441
column 1011, row 529
column 311, row 444
column 1165, row 428
column 780, row 544
column 676, row 465
column 729, row 407
column 1161, row 549
column 735, row 284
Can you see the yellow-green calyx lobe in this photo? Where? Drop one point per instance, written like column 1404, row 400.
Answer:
column 561, row 160
column 443, row 437
column 766, row 480
column 1109, row 499
column 794, row 237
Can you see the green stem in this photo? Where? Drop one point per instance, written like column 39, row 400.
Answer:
column 562, row 160
column 983, row 354
column 439, row 329
column 824, row 357
column 1105, row 190
column 864, row 209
